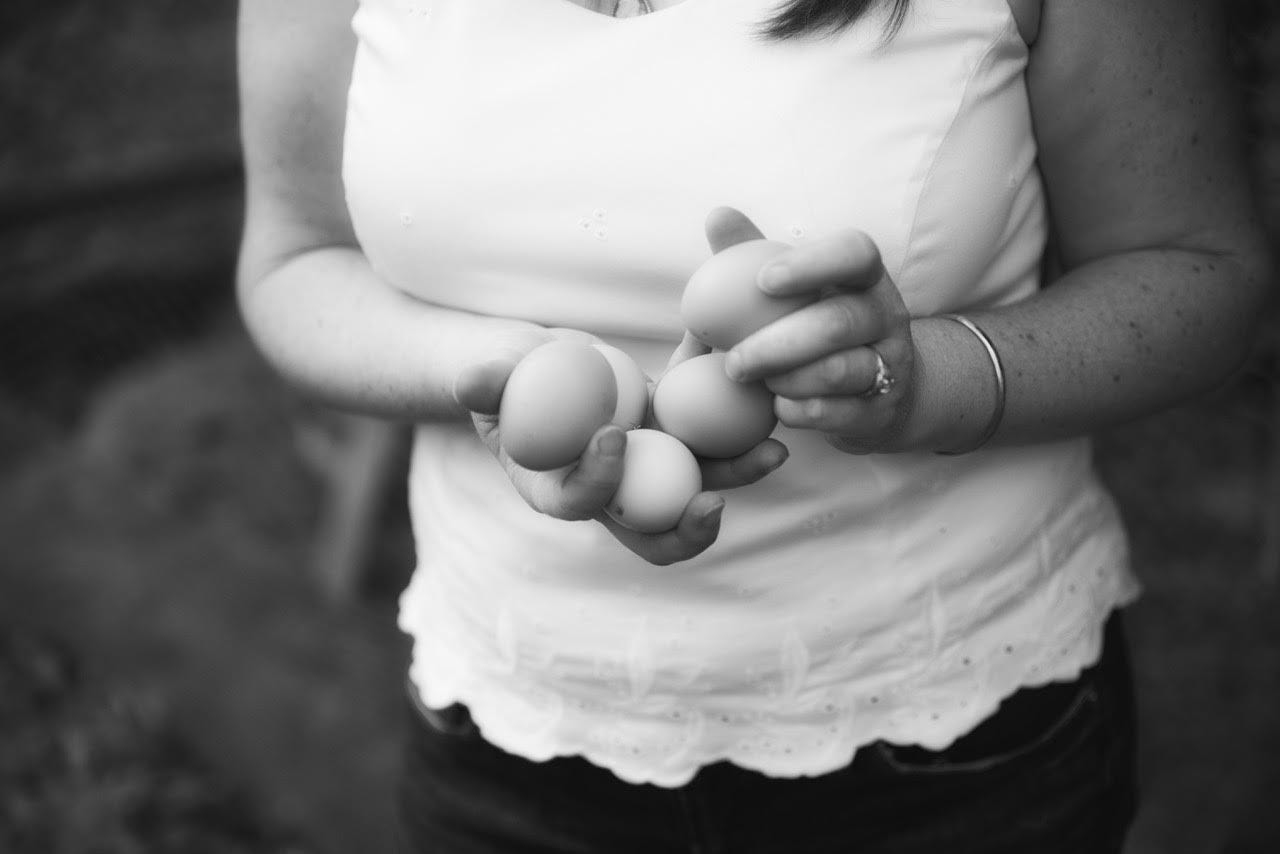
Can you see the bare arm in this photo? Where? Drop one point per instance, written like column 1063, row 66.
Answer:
column 1164, row 257
column 308, row 295
column 328, row 323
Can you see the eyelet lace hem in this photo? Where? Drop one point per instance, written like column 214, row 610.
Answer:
column 817, row 727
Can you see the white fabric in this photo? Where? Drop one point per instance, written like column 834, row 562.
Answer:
column 531, row 158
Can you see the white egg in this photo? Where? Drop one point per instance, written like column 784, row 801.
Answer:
column 713, row 415
column 660, row 476
column 633, row 387
column 722, row 304
column 554, row 401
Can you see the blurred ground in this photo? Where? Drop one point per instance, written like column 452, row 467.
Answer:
column 165, row 541
column 170, row 677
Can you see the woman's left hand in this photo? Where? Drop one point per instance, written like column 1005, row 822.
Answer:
column 843, row 365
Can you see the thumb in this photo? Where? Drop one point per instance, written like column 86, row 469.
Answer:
column 726, row 226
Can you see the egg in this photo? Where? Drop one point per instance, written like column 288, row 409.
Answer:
column 713, row 415
column 722, row 304
column 554, row 401
column 659, row 477
column 633, row 387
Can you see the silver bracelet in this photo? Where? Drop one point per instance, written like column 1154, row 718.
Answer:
column 998, row 415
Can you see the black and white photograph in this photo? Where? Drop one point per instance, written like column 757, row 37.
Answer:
column 640, row 427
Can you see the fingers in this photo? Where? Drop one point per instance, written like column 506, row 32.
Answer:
column 479, row 387
column 843, row 261
column 854, row 425
column 807, row 335
column 581, row 491
column 864, row 421
column 847, row 372
column 696, row 530
column 826, row 414
column 727, row 227
column 744, row 469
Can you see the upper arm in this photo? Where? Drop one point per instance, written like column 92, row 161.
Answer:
column 294, row 68
column 1138, row 122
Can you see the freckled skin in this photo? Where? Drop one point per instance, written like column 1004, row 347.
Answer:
column 1159, row 241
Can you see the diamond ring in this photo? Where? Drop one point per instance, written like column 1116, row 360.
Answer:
column 883, row 381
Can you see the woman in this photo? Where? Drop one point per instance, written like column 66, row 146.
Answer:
column 903, row 638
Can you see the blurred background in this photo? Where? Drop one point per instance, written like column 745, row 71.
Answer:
column 197, row 642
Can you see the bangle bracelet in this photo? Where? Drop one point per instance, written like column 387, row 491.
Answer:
column 998, row 414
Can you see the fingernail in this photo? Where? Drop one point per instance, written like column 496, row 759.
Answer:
column 774, row 276
column 610, row 444
column 712, row 516
column 778, row 460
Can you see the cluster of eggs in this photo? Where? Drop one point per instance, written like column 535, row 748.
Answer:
column 562, row 392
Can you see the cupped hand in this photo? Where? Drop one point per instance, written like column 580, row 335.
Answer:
column 581, row 491
column 844, row 364
column 573, row 492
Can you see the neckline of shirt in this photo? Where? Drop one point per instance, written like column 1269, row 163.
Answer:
column 577, row 10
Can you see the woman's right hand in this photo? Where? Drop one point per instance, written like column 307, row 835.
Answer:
column 580, row 491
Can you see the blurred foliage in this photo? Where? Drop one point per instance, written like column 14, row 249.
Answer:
column 94, row 91
column 120, row 194
column 82, row 773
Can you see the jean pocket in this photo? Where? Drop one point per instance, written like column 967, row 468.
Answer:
column 996, row 746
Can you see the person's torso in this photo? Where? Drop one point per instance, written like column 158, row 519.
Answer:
column 534, row 159
column 541, row 160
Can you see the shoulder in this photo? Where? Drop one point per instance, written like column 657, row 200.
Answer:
column 299, row 33
column 294, row 60
column 1138, row 121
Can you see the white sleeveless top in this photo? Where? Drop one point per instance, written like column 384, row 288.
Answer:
column 533, row 159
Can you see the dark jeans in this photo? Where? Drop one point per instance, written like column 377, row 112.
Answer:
column 1051, row 772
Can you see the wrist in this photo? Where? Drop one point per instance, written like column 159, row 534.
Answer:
column 958, row 392
column 997, row 374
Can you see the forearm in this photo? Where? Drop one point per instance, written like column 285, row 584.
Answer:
column 333, row 328
column 1114, row 340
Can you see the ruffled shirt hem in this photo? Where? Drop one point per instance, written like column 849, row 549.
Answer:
column 664, row 739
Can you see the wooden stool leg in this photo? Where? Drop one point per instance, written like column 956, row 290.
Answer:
column 358, row 468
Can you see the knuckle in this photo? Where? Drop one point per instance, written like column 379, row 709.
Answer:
column 861, row 249
column 743, row 470
column 566, row 510
column 841, row 321
column 835, row 370
column 789, row 412
column 835, row 322
column 559, row 503
column 852, row 250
